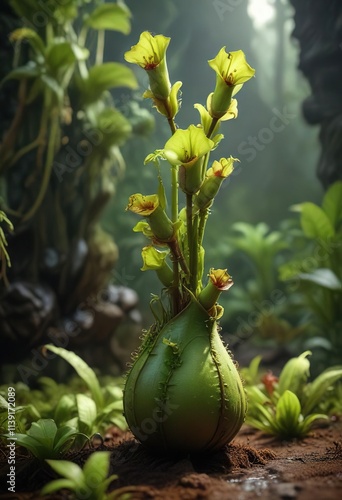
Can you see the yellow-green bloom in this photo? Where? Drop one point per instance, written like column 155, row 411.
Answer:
column 148, row 206
column 232, row 71
column 186, row 148
column 219, row 280
column 215, row 175
column 149, row 54
column 154, row 259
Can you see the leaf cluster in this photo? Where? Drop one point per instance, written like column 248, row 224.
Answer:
column 288, row 406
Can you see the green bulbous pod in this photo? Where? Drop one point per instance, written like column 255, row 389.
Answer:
column 183, row 393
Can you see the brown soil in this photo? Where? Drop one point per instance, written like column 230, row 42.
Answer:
column 253, row 466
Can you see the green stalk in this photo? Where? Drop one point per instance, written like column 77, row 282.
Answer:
column 174, row 217
column 192, row 243
column 212, row 126
column 47, row 168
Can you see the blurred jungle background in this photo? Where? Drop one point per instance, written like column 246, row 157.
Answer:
column 276, row 224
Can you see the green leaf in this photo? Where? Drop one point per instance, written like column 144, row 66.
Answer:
column 315, row 222
column 294, row 374
column 110, row 16
column 58, row 484
column 83, row 370
column 332, row 203
column 30, row 70
column 316, row 390
column 86, row 413
column 97, row 463
column 104, row 77
column 64, row 408
column 44, row 431
column 288, row 412
column 68, row 469
column 63, row 435
column 322, row 277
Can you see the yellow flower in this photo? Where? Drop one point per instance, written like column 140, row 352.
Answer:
column 143, row 205
column 215, row 175
column 185, row 147
column 222, row 168
column 149, row 53
column 219, row 280
column 232, row 71
column 149, row 206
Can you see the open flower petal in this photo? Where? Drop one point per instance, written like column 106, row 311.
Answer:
column 222, row 168
column 153, row 259
column 149, row 51
column 220, row 279
column 232, row 67
column 143, row 205
column 185, row 147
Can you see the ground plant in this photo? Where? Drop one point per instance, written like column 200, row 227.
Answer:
column 165, row 406
column 287, row 406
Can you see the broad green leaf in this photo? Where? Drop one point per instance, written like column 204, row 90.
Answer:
column 63, row 435
column 106, row 76
column 83, row 370
column 86, row 408
column 316, row 390
column 332, row 203
column 59, row 55
column 322, row 277
column 67, row 469
column 110, row 16
column 315, row 222
column 97, row 463
column 44, row 431
column 30, row 70
column 288, row 411
column 294, row 374
column 65, row 408
column 58, row 484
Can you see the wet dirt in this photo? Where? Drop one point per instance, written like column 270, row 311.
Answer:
column 253, row 466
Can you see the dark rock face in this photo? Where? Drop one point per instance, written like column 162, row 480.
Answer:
column 318, row 27
column 103, row 329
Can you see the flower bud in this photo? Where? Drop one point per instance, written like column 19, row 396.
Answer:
column 148, row 206
column 232, row 71
column 219, row 280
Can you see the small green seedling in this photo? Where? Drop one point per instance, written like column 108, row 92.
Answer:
column 103, row 407
column 91, row 482
column 286, row 407
column 44, row 440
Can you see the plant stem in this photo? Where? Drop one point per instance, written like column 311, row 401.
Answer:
column 176, row 298
column 212, row 126
column 100, row 47
column 48, row 166
column 192, row 246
